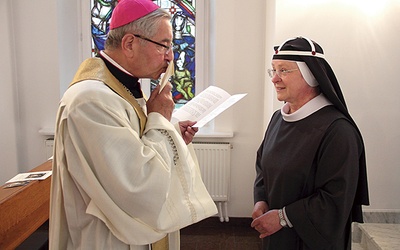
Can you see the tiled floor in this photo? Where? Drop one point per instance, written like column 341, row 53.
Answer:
column 211, row 234
column 382, row 236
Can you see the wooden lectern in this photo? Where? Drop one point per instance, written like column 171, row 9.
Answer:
column 24, row 209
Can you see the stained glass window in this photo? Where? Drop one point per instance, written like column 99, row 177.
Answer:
column 183, row 27
column 101, row 11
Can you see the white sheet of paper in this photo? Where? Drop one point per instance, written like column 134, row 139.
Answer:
column 206, row 106
column 30, row 176
column 168, row 73
column 221, row 108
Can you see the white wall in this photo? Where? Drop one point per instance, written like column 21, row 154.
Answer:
column 8, row 99
column 362, row 50
column 361, row 43
column 31, row 80
column 239, row 68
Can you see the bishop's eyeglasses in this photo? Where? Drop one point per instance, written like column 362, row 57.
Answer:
column 162, row 49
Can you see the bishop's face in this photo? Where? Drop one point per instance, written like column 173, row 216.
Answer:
column 151, row 60
column 290, row 85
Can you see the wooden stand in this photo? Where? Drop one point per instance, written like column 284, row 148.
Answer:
column 24, row 209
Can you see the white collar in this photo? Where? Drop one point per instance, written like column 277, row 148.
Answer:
column 114, row 62
column 307, row 109
column 141, row 101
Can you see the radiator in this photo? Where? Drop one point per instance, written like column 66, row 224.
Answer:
column 214, row 162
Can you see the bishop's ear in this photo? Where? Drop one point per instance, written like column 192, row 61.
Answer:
column 127, row 42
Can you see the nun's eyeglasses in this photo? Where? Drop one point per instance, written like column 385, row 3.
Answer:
column 164, row 48
column 280, row 73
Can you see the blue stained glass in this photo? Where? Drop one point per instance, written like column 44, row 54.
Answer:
column 183, row 26
column 99, row 37
column 101, row 11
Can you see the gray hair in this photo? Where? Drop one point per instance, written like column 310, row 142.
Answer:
column 146, row 26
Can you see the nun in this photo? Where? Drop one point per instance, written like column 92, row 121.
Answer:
column 311, row 177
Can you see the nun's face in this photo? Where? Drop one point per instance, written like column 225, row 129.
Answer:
column 290, row 85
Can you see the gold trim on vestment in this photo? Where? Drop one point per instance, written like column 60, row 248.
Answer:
column 96, row 69
column 162, row 244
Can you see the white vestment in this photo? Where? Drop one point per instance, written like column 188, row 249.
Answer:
column 115, row 189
